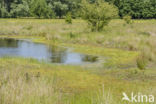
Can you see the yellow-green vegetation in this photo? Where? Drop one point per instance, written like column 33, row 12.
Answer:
column 27, row 81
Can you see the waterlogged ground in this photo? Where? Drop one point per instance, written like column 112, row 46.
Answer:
column 29, row 81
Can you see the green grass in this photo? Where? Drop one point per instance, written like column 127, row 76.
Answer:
column 59, row 83
column 27, row 81
column 112, row 57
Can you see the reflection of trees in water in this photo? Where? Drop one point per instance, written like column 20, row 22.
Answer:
column 89, row 58
column 58, row 54
column 9, row 43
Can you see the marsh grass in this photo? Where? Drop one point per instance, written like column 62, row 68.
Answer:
column 27, row 81
column 115, row 35
column 24, row 85
column 18, row 87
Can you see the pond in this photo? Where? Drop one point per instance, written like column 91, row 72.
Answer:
column 42, row 52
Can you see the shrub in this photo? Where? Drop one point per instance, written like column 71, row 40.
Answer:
column 128, row 19
column 142, row 61
column 72, row 35
column 98, row 14
column 68, row 18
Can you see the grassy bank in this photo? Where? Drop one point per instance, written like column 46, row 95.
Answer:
column 117, row 34
column 27, row 81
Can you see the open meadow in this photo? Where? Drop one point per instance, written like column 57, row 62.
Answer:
column 126, row 63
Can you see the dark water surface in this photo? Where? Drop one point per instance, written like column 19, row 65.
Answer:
column 53, row 54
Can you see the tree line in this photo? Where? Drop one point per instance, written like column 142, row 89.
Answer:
column 137, row 9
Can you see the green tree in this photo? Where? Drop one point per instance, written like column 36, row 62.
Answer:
column 40, row 9
column 3, row 12
column 60, row 9
column 138, row 9
column 98, row 14
column 20, row 10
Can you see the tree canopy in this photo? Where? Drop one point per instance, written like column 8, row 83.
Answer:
column 137, row 9
column 98, row 14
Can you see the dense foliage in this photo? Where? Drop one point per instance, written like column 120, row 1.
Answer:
column 145, row 9
column 138, row 8
column 98, row 14
column 38, row 8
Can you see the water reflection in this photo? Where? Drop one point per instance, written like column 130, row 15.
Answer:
column 54, row 54
column 9, row 43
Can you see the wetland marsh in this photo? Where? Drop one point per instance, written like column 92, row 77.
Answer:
column 29, row 81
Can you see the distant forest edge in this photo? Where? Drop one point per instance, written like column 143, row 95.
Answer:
column 137, row 9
